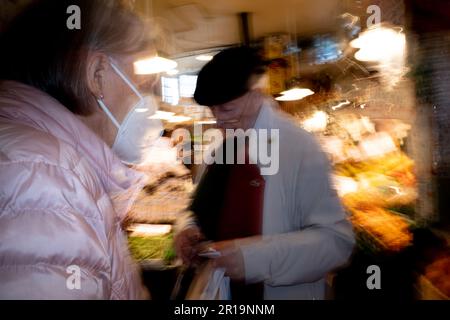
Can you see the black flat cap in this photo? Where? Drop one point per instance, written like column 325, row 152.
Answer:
column 226, row 76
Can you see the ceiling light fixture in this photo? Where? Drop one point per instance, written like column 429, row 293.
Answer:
column 295, row 94
column 154, row 65
column 379, row 43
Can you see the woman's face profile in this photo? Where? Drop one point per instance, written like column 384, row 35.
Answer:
column 117, row 95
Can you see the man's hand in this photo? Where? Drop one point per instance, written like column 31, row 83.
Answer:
column 186, row 244
column 231, row 260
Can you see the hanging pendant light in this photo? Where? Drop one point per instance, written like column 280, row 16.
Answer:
column 298, row 90
column 295, row 94
column 154, row 65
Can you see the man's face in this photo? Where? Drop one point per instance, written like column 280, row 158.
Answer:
column 240, row 113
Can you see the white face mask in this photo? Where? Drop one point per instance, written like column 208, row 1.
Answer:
column 138, row 132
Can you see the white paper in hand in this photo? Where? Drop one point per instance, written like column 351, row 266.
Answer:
column 209, row 284
column 218, row 287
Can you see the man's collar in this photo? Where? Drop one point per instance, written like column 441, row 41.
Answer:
column 265, row 120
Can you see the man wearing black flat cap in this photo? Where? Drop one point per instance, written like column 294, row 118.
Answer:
column 278, row 234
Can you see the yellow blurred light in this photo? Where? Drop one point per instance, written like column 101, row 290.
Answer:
column 154, row 65
column 379, row 44
column 295, row 94
column 344, row 185
column 318, row 122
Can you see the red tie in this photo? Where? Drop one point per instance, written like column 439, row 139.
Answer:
column 241, row 216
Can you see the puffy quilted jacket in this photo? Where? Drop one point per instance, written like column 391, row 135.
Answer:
column 63, row 196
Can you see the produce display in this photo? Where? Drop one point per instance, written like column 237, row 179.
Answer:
column 373, row 176
column 167, row 194
column 390, row 230
column 158, row 205
column 157, row 247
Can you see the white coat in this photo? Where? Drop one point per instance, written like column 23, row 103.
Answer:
column 306, row 233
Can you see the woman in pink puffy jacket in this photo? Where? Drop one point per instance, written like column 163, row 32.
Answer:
column 69, row 108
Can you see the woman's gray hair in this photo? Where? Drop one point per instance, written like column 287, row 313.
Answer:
column 39, row 49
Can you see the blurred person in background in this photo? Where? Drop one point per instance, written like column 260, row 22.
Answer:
column 71, row 114
column 278, row 235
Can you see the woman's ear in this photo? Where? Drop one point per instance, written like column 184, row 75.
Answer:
column 96, row 73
